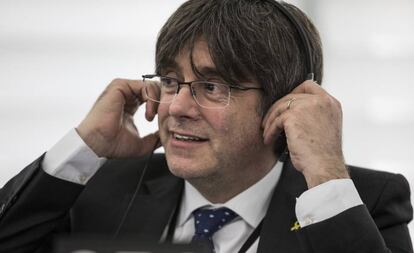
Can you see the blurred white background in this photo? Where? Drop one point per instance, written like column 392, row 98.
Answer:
column 57, row 56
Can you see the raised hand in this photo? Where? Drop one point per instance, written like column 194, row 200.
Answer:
column 109, row 128
column 312, row 122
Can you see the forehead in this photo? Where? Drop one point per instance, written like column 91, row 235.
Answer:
column 196, row 57
column 195, row 60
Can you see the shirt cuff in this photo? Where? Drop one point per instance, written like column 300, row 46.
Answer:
column 326, row 200
column 72, row 160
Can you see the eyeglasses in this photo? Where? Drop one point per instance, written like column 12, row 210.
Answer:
column 210, row 95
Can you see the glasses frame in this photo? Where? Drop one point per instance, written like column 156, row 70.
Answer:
column 190, row 85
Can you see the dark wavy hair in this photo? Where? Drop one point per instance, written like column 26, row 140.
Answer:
column 248, row 40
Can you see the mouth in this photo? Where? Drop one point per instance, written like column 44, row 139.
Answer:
column 187, row 137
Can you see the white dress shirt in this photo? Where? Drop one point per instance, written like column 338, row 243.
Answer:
column 251, row 206
column 72, row 160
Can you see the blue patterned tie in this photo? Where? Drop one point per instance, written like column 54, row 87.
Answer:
column 209, row 221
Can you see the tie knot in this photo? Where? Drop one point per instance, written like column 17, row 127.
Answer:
column 209, row 221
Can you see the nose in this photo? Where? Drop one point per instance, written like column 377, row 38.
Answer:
column 184, row 104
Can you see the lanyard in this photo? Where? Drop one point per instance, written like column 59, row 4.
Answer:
column 252, row 238
column 246, row 245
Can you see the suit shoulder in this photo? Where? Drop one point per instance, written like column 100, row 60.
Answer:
column 133, row 167
column 382, row 191
column 364, row 177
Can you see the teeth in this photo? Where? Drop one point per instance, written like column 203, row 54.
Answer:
column 186, row 138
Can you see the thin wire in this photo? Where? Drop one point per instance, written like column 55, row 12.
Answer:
column 137, row 188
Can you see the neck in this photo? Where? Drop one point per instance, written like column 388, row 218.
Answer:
column 220, row 189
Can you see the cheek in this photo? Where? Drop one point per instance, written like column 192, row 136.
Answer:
column 243, row 129
column 219, row 122
column 162, row 113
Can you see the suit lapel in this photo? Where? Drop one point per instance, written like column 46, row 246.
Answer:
column 153, row 208
column 276, row 235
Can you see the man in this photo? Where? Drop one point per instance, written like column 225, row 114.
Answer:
column 228, row 90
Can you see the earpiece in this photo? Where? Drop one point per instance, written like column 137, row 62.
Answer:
column 303, row 37
column 309, row 63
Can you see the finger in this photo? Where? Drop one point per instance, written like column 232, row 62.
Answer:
column 151, row 108
column 122, row 93
column 139, row 89
column 136, row 87
column 309, row 87
column 149, row 143
column 275, row 110
column 134, row 94
column 282, row 105
column 272, row 130
column 151, row 93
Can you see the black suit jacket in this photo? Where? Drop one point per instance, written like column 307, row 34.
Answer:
column 34, row 206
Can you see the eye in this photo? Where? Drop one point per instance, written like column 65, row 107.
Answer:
column 168, row 82
column 211, row 87
column 214, row 90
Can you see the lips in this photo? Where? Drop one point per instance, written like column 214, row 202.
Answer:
column 187, row 137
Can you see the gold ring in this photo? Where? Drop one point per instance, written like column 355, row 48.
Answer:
column 289, row 103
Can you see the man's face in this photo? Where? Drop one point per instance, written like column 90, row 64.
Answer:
column 229, row 140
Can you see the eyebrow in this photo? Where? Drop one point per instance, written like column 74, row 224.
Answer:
column 202, row 72
column 208, row 71
column 169, row 65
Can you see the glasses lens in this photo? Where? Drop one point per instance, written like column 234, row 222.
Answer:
column 160, row 89
column 211, row 95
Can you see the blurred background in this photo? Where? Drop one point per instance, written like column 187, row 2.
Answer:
column 56, row 57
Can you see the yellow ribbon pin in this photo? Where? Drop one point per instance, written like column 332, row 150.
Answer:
column 295, row 227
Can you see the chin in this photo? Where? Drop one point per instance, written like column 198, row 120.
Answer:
column 188, row 168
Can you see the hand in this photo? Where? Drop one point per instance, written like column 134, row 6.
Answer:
column 313, row 126
column 109, row 128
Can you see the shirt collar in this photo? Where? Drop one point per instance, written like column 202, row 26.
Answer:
column 251, row 204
